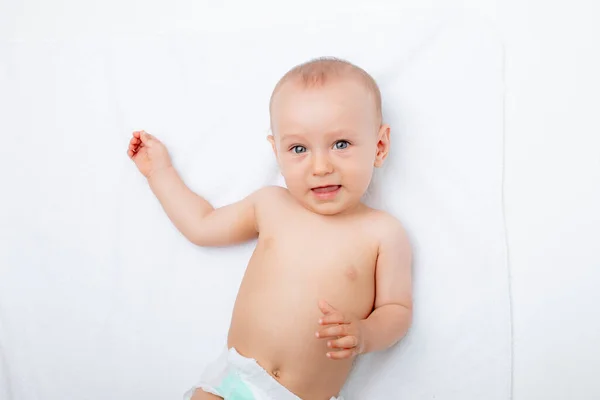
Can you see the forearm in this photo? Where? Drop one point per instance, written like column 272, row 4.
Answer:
column 385, row 327
column 183, row 207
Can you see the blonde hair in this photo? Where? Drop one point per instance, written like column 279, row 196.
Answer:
column 317, row 72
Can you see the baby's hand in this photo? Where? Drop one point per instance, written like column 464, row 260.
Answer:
column 148, row 153
column 348, row 333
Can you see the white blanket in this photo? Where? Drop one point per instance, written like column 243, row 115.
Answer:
column 101, row 298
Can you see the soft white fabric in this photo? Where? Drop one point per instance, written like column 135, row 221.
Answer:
column 100, row 297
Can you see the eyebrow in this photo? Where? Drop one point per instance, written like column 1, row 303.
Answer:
column 296, row 136
column 291, row 136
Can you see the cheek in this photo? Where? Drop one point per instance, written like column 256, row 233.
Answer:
column 292, row 173
column 360, row 179
column 359, row 168
column 289, row 166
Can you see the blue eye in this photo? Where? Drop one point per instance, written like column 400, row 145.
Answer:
column 341, row 144
column 298, row 149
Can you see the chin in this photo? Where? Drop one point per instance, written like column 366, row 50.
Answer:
column 328, row 208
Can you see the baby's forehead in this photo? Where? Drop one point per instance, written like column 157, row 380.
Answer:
column 348, row 92
column 319, row 116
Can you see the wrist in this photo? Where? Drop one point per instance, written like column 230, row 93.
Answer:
column 160, row 173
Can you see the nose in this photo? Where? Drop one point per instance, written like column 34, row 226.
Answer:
column 321, row 164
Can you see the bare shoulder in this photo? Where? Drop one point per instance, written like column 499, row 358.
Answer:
column 388, row 229
column 268, row 200
column 269, row 195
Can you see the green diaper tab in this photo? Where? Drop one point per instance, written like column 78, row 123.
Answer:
column 233, row 388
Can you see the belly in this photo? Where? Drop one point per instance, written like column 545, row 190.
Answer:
column 276, row 312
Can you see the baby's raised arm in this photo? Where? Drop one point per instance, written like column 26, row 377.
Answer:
column 191, row 214
column 196, row 219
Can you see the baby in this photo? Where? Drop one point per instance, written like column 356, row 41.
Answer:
column 330, row 278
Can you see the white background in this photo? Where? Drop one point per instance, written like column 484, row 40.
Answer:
column 552, row 194
column 552, row 181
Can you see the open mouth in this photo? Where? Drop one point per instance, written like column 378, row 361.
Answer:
column 328, row 192
column 326, row 189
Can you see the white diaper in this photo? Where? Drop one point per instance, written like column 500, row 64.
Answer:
column 235, row 377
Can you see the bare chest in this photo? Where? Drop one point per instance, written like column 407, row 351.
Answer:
column 350, row 254
column 319, row 263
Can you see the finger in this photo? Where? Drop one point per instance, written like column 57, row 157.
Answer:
column 332, row 331
column 334, row 318
column 341, row 354
column 136, row 134
column 346, row 342
column 325, row 307
column 146, row 138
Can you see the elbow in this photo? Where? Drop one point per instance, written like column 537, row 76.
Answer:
column 405, row 319
column 198, row 242
column 199, row 238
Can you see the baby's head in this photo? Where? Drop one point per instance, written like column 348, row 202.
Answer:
column 327, row 133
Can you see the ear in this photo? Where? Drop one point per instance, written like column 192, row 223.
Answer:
column 383, row 145
column 271, row 140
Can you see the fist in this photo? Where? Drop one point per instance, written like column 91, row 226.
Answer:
column 148, row 153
